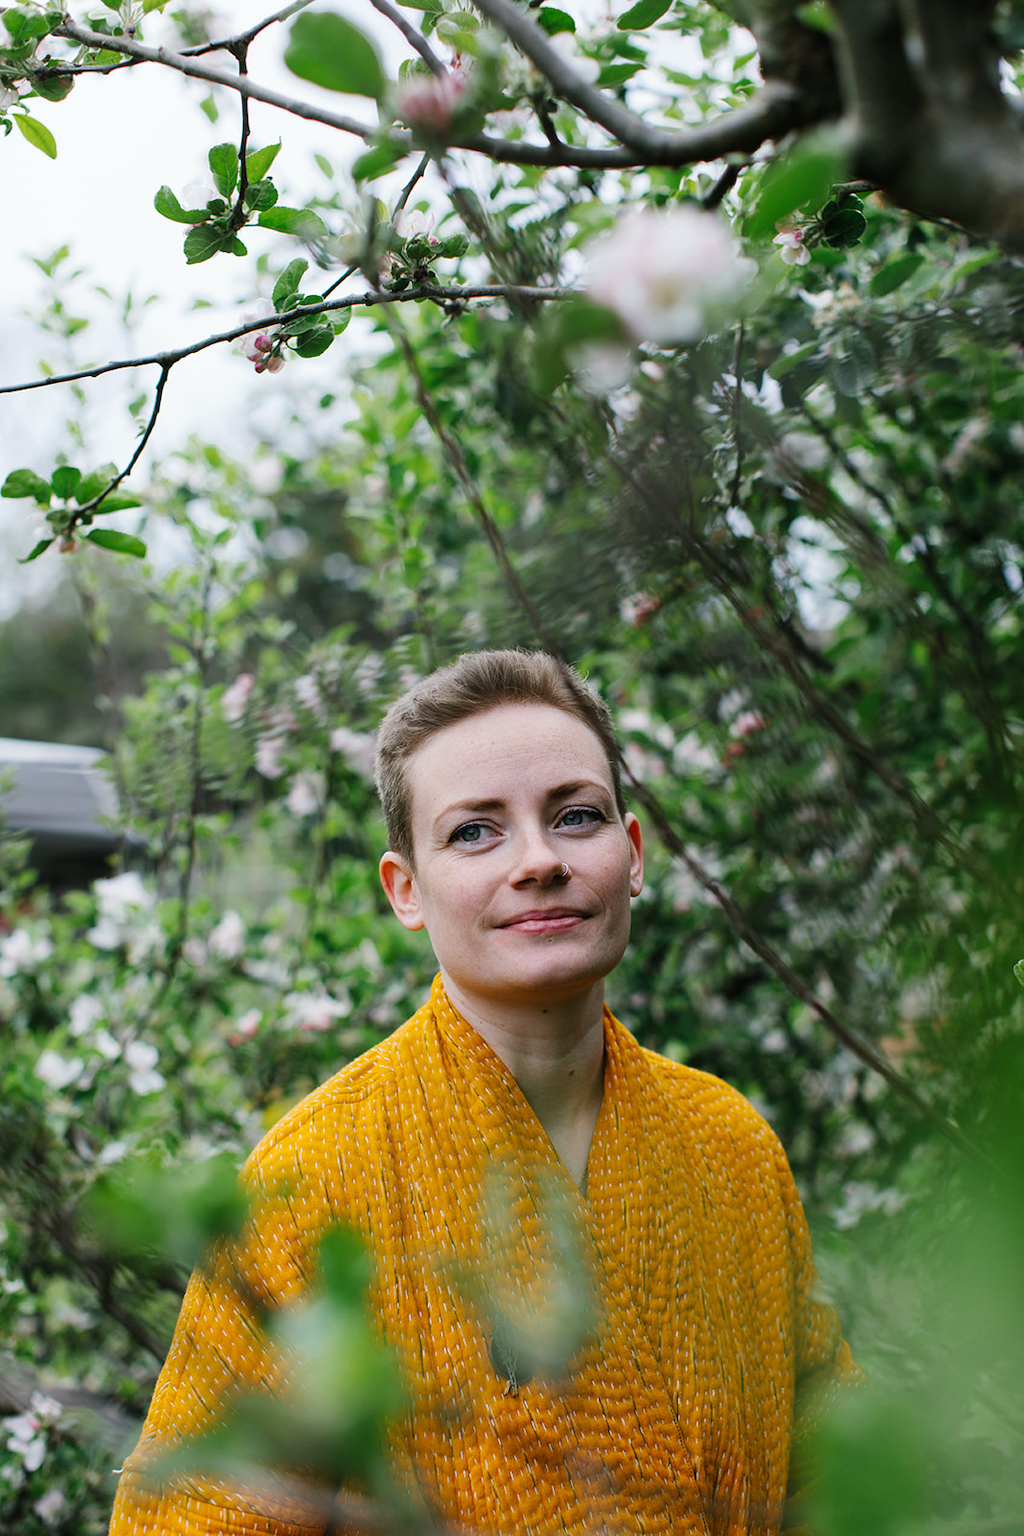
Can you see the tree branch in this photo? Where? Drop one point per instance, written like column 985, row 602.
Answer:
column 200, row 71
column 652, row 146
column 438, row 294
column 770, row 115
column 243, row 39
column 414, row 38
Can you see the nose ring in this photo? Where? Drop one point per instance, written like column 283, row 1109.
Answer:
column 564, row 872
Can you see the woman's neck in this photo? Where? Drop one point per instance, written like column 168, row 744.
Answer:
column 556, row 1055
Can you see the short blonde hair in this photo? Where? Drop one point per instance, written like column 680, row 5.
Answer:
column 477, row 682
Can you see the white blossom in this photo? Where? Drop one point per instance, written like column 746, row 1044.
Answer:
column 85, row 1011
column 308, row 1011
column 56, row 1071
column 22, row 951
column 246, row 1026
column 269, row 751
column 104, row 1042
column 197, row 194
column 407, row 223
column 792, row 248
column 235, row 698
column 307, row 691
column 228, row 938
column 358, row 748
column 306, row 794
column 50, row 1507
column 142, row 1059
column 669, row 275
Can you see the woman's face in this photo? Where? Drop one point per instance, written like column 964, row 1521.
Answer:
column 501, row 803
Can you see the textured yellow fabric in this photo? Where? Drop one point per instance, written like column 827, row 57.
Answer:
column 677, row 1413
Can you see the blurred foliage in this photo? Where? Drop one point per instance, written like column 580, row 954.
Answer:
column 790, row 555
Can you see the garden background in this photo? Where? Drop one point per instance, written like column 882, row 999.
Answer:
column 686, row 342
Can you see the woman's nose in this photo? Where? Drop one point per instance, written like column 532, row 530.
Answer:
column 536, row 861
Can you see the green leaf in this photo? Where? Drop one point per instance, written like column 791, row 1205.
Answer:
column 25, row 482
column 1018, row 971
column 895, row 273
column 36, row 551
column 260, row 195
column 554, row 21
column 209, row 106
column 65, row 481
column 800, row 179
column 642, row 15
column 378, row 159
column 617, row 74
column 288, row 282
column 37, row 134
column 167, row 204
column 451, row 247
column 325, row 165
column 316, row 341
column 329, row 51
column 223, row 160
column 117, row 503
column 294, row 221
column 788, row 360
column 843, row 223
column 853, row 365
column 56, row 88
column 203, row 242
column 120, row 543
column 259, row 162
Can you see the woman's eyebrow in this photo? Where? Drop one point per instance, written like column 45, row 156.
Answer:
column 468, row 808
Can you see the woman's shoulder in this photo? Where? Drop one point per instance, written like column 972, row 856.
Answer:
column 336, row 1107
column 705, row 1103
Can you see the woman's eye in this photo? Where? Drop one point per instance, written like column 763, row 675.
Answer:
column 470, row 832
column 581, row 816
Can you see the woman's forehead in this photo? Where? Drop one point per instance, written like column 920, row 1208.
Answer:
column 505, row 750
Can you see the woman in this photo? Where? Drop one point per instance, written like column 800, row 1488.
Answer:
column 672, row 1394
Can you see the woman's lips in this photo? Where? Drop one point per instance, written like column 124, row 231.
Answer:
column 545, row 920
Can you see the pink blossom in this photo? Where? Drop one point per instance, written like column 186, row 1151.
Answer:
column 258, row 346
column 746, row 723
column 429, row 103
column 791, row 247
column 235, row 698
column 246, row 1026
column 669, row 276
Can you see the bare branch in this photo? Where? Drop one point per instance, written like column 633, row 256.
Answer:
column 771, row 114
column 413, row 37
column 439, row 294
column 90, row 506
column 243, row 39
column 199, row 71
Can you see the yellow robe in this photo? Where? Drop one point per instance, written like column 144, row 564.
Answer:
column 677, row 1413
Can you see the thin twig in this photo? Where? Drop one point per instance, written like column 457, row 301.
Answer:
column 742, row 130
column 238, row 217
column 90, row 506
column 243, row 39
column 440, row 294
column 416, row 176
column 411, row 35
column 737, row 427
column 199, row 71
column 470, row 489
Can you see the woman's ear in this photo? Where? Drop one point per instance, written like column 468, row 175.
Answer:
column 636, row 854
column 400, row 889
